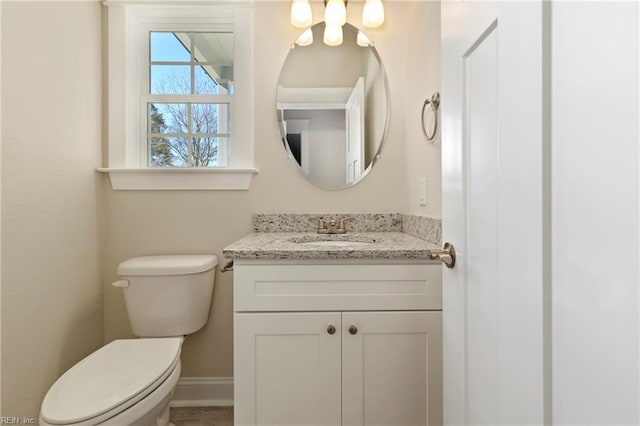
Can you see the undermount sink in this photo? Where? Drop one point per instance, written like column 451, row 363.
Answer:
column 342, row 243
column 333, row 240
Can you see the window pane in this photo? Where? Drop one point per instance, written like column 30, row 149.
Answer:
column 168, row 152
column 197, row 151
column 210, row 118
column 169, row 47
column 206, row 83
column 216, row 48
column 223, row 148
column 170, row 79
column 210, row 80
column 206, row 151
column 167, row 118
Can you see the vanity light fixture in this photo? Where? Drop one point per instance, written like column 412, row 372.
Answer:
column 301, row 16
column 373, row 13
column 333, row 35
column 335, row 12
column 306, row 38
column 335, row 16
column 362, row 40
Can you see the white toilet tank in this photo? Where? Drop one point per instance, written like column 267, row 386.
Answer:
column 167, row 295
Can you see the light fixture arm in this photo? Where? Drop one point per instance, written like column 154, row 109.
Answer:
column 345, row 3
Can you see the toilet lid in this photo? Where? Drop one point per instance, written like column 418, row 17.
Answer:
column 109, row 378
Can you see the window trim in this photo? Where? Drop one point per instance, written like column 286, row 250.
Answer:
column 128, row 22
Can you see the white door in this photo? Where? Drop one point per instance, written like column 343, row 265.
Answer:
column 354, row 121
column 391, row 365
column 494, row 196
column 289, row 371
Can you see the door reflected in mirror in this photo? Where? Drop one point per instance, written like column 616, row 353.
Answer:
column 333, row 108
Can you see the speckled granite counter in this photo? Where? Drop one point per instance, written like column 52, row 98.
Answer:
column 304, row 246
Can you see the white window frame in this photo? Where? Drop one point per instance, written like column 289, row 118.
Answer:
column 148, row 97
column 129, row 26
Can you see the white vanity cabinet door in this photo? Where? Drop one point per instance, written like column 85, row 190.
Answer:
column 287, row 369
column 392, row 368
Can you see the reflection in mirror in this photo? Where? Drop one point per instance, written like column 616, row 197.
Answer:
column 333, row 108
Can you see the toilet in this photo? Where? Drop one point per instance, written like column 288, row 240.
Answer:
column 131, row 381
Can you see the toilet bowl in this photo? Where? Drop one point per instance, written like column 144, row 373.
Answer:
column 122, row 383
column 131, row 381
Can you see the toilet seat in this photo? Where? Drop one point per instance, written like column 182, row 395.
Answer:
column 110, row 380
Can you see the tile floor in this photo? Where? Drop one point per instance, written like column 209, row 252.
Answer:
column 202, row 416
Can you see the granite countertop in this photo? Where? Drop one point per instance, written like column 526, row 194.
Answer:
column 304, row 246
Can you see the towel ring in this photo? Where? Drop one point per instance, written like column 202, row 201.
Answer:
column 435, row 104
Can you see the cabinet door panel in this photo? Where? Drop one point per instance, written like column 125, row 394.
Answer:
column 392, row 368
column 287, row 369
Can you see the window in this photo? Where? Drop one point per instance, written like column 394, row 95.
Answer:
column 180, row 96
column 189, row 100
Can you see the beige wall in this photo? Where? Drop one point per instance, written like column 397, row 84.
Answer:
column 57, row 212
column 423, row 73
column 190, row 222
column 52, row 300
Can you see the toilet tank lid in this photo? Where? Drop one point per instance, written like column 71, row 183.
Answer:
column 167, row 265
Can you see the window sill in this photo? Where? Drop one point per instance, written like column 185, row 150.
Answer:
column 189, row 179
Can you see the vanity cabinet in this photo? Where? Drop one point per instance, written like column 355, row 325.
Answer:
column 337, row 344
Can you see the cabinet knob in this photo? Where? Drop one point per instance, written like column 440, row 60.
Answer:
column 331, row 329
column 353, row 329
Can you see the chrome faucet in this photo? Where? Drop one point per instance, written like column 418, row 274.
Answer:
column 331, row 227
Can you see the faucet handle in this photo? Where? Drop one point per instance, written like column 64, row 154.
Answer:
column 341, row 225
column 322, row 226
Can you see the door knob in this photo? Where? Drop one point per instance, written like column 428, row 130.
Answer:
column 447, row 255
column 353, row 329
column 331, row 329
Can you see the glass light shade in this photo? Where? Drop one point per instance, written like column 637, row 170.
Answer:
column 373, row 13
column 363, row 40
column 301, row 16
column 306, row 38
column 333, row 35
column 335, row 13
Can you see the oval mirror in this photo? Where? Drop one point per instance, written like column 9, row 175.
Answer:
column 333, row 107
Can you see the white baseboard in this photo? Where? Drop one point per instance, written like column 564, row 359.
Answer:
column 203, row 392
